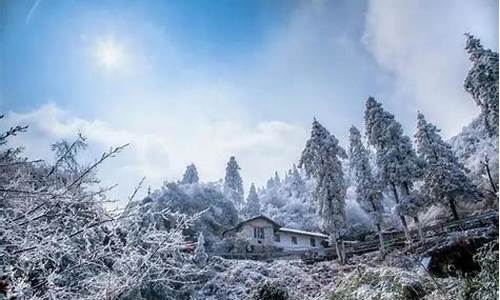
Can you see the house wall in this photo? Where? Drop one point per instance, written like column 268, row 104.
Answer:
column 303, row 241
column 246, row 232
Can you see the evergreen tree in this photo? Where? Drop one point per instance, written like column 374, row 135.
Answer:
column 252, row 205
column 298, row 184
column 288, row 175
column 444, row 176
column 368, row 190
column 233, row 184
column 277, row 180
column 482, row 82
column 190, row 175
column 321, row 160
column 270, row 183
column 397, row 162
column 200, row 255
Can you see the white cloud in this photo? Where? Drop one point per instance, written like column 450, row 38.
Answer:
column 422, row 43
column 260, row 149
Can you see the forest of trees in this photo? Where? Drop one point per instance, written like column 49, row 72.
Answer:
column 58, row 241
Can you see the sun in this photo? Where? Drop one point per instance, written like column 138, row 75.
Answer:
column 109, row 53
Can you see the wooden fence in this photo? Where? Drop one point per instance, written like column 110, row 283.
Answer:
column 399, row 240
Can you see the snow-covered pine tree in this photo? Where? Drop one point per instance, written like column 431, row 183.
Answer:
column 297, row 184
column 288, row 175
column 321, row 160
column 190, row 175
column 444, row 176
column 482, row 82
column 270, row 183
column 200, row 255
column 277, row 179
column 252, row 205
column 368, row 189
column 233, row 184
column 397, row 162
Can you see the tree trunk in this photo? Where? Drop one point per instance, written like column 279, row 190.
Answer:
column 342, row 251
column 419, row 228
column 487, row 166
column 405, row 228
column 381, row 240
column 453, row 208
column 415, row 218
column 407, row 189
column 401, row 217
column 337, row 248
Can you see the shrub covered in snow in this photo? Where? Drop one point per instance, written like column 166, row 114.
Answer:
column 58, row 242
column 216, row 212
column 484, row 285
column 270, row 290
column 288, row 201
column 381, row 283
column 242, row 279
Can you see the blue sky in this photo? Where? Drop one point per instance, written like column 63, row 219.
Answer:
column 198, row 81
column 48, row 44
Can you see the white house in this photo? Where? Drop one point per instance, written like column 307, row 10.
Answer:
column 261, row 231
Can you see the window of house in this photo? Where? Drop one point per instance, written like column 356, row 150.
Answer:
column 313, row 242
column 294, row 240
column 277, row 237
column 258, row 232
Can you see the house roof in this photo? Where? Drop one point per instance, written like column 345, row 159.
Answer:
column 258, row 217
column 238, row 226
column 303, row 232
column 278, row 227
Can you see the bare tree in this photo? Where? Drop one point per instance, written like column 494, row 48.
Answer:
column 57, row 241
column 486, row 164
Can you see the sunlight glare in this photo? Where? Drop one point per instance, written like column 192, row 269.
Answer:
column 109, row 54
